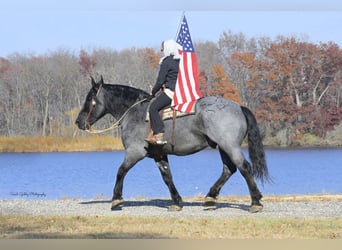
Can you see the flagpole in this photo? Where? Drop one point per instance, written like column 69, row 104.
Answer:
column 180, row 24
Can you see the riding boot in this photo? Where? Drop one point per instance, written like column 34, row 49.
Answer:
column 159, row 139
column 150, row 138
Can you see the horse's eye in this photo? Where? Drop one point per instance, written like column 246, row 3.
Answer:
column 93, row 102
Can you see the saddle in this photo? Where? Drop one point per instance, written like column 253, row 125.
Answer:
column 168, row 113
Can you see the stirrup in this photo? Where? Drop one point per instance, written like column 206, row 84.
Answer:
column 162, row 142
column 155, row 142
column 159, row 139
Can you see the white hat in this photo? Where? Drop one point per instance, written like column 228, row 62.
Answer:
column 171, row 48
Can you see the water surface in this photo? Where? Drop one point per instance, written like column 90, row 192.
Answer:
column 91, row 175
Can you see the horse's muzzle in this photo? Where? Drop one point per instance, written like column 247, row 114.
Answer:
column 82, row 125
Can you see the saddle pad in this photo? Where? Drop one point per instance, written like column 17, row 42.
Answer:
column 167, row 113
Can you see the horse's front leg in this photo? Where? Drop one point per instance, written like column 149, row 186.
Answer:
column 128, row 163
column 163, row 165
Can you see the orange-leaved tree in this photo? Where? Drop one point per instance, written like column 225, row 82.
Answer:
column 151, row 57
column 222, row 85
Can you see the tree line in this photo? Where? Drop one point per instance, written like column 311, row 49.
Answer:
column 294, row 87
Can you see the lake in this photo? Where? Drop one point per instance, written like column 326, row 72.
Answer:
column 92, row 174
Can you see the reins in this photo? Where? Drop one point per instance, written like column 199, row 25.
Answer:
column 117, row 123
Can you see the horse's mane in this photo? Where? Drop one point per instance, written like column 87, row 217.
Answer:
column 127, row 88
column 122, row 97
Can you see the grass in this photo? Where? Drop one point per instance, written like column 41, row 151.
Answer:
column 59, row 144
column 111, row 227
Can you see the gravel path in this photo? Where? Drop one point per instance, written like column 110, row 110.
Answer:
column 158, row 207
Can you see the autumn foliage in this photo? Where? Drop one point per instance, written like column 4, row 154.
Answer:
column 222, row 85
column 294, row 87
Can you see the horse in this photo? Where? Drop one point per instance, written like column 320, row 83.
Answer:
column 217, row 123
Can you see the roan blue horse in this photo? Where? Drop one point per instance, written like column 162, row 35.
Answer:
column 217, row 123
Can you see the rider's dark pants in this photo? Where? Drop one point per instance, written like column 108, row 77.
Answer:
column 161, row 101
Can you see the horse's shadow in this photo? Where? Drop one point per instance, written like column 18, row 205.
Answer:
column 163, row 203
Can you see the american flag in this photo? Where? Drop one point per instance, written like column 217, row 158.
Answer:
column 187, row 87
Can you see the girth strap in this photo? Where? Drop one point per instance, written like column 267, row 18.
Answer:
column 173, row 128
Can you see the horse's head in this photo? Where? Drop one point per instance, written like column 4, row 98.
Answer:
column 93, row 108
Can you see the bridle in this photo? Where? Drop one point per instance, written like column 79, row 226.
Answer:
column 93, row 104
column 116, row 124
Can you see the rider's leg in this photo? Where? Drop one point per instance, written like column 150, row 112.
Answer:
column 157, row 124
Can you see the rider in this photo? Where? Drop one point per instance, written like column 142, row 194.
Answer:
column 165, row 84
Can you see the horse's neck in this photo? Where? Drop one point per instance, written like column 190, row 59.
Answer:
column 120, row 97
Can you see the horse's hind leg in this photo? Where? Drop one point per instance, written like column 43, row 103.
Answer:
column 246, row 171
column 163, row 165
column 256, row 196
column 228, row 170
column 233, row 159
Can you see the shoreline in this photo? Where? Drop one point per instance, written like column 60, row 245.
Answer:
column 95, row 143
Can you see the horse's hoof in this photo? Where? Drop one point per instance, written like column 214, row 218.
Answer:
column 209, row 202
column 174, row 208
column 255, row 208
column 116, row 203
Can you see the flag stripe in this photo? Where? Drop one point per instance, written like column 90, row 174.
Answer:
column 192, row 66
column 187, row 76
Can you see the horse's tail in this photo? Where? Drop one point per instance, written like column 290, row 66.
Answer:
column 255, row 147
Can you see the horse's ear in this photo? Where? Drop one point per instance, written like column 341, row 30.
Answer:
column 101, row 80
column 93, row 83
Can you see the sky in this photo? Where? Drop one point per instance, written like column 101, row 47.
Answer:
column 41, row 26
